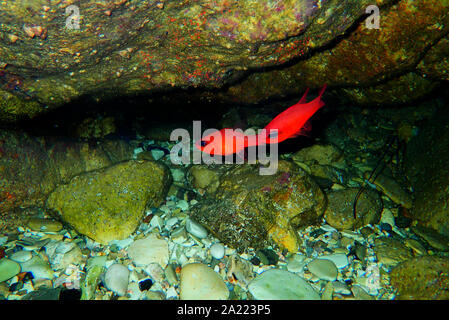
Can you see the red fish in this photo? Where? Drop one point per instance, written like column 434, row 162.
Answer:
column 289, row 124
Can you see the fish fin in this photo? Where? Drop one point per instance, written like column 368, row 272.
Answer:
column 322, row 90
column 304, row 130
column 304, row 97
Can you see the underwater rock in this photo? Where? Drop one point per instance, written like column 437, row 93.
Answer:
column 322, row 154
column 91, row 128
column 324, row 269
column 31, row 167
column 149, row 250
column 199, row 282
column 116, row 278
column 421, row 278
column 108, row 204
column 8, row 269
column 278, row 284
column 38, row 267
column 392, row 189
column 144, row 47
column 205, row 177
column 391, row 252
column 432, row 237
column 94, row 269
column 248, row 209
column 373, row 65
column 217, row 251
column 339, row 212
column 44, row 225
column 27, row 173
column 426, row 164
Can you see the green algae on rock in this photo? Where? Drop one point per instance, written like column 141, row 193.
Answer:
column 249, row 210
column 108, row 203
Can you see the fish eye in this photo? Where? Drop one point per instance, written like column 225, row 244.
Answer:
column 203, row 143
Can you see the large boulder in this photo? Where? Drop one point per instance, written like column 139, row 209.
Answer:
column 52, row 53
column 250, row 210
column 426, row 163
column 31, row 167
column 108, row 203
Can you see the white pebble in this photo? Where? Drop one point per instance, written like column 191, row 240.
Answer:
column 196, row 229
column 116, row 279
column 217, row 251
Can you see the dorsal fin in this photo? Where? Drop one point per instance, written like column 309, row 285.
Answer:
column 304, row 97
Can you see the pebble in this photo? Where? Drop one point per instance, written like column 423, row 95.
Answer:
column 217, row 250
column 296, row 263
column 32, row 244
column 155, row 271
column 157, row 222
column 339, row 259
column 341, row 288
column 275, row 284
column 116, row 279
column 170, row 223
column 44, row 225
column 387, row 217
column 38, row 267
column 323, row 269
column 196, row 229
column 62, row 254
column 199, row 282
column 149, row 250
column 170, row 275
column 8, row 269
column 21, row 256
column 183, row 205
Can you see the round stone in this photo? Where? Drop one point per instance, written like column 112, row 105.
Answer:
column 323, row 269
column 8, row 269
column 276, row 284
column 217, row 250
column 116, row 279
column 199, row 282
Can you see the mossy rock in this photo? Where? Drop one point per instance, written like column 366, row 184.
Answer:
column 108, row 204
column 251, row 210
column 422, row 278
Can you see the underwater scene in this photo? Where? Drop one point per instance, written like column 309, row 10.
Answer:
column 224, row 150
